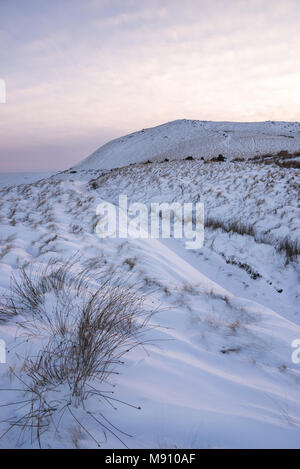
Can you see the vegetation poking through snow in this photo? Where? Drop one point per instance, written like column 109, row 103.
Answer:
column 86, row 324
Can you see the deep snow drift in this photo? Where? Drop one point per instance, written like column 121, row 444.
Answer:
column 182, row 138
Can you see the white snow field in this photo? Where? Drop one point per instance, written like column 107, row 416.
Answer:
column 12, row 179
column 183, row 138
column 218, row 370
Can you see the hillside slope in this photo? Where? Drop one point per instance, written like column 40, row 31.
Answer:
column 217, row 371
column 200, row 139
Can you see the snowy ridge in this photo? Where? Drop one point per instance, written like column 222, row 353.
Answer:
column 221, row 373
column 199, row 139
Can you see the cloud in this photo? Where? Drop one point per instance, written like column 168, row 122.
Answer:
column 135, row 17
column 127, row 65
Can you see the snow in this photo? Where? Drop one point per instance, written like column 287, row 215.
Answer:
column 16, row 178
column 182, row 138
column 218, row 373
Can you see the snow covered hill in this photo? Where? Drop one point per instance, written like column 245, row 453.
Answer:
column 200, row 139
column 220, row 374
column 217, row 369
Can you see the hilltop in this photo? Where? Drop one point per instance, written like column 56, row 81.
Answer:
column 180, row 139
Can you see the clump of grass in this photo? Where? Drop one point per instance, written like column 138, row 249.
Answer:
column 94, row 184
column 233, row 226
column 6, row 250
column 283, row 153
column 86, row 326
column 130, row 262
column 270, row 158
column 290, row 247
column 289, row 164
column 219, row 158
column 239, row 160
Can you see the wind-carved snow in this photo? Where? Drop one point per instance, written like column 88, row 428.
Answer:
column 220, row 372
column 200, row 139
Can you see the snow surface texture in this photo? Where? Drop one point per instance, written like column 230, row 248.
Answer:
column 11, row 179
column 182, row 138
column 220, row 374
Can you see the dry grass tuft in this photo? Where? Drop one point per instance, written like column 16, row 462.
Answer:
column 233, row 226
column 288, row 246
column 86, row 326
column 289, row 164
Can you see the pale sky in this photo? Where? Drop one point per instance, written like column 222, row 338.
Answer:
column 81, row 72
